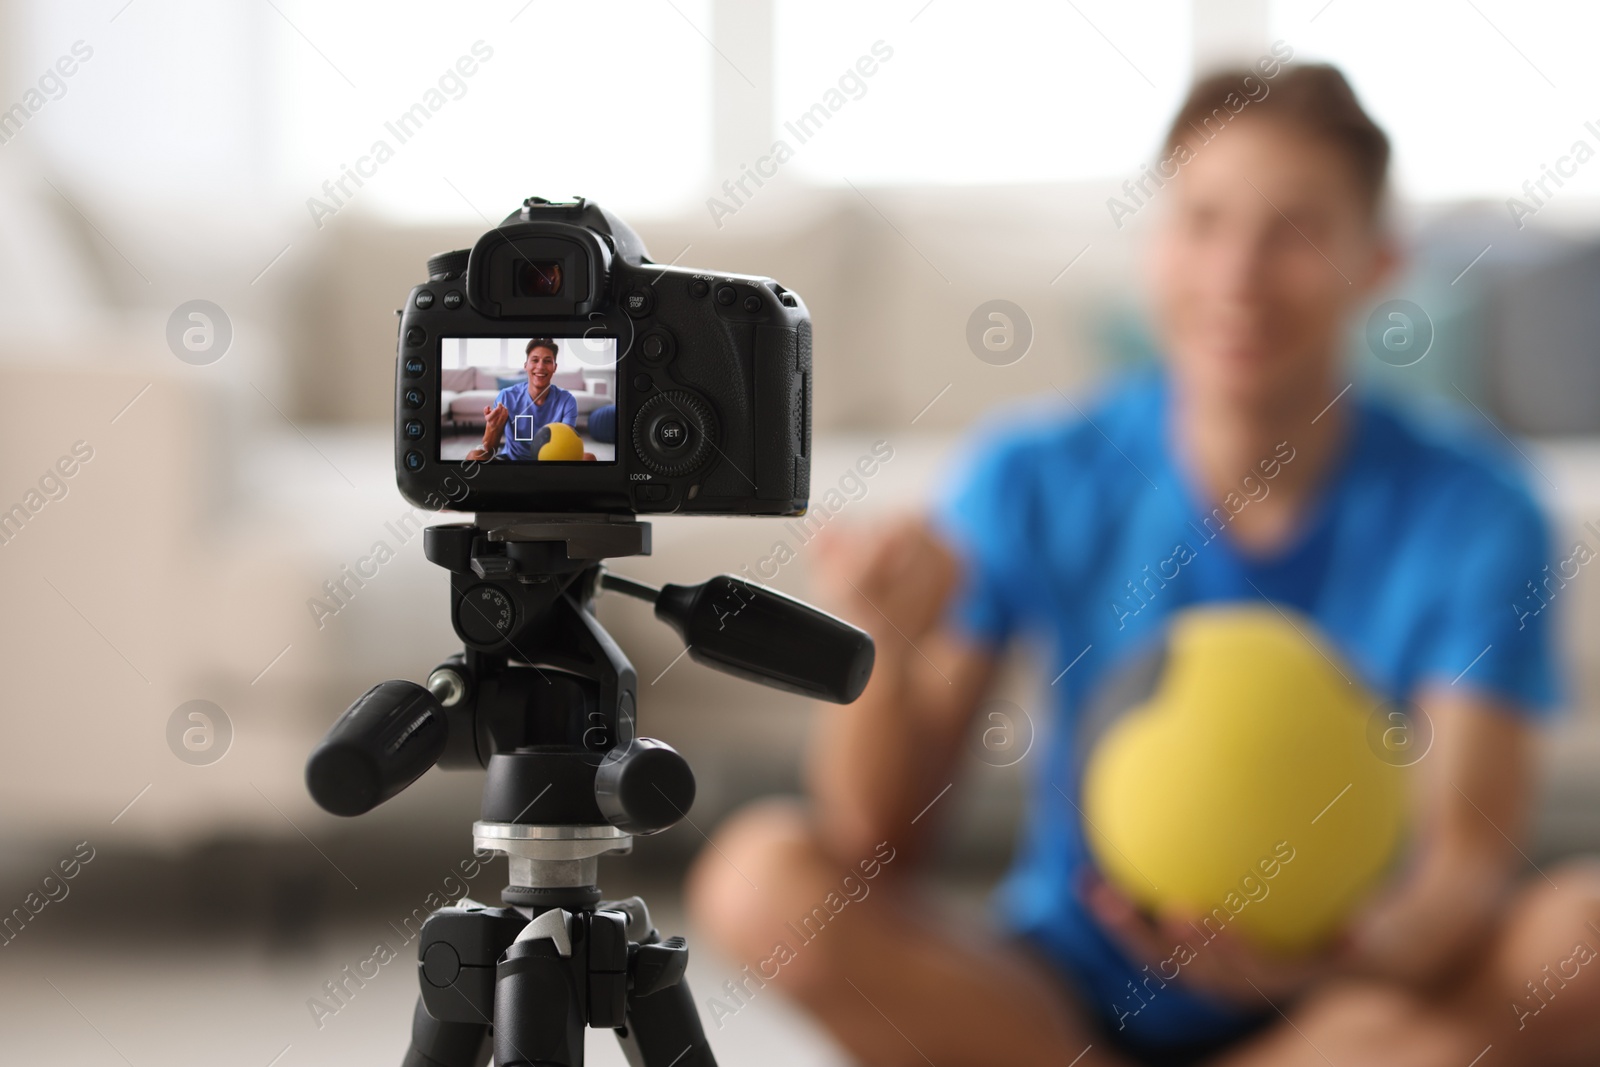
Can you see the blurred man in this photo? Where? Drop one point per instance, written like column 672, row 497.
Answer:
column 527, row 407
column 1406, row 545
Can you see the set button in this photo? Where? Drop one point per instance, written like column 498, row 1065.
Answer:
column 671, row 434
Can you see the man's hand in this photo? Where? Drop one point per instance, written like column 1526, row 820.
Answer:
column 897, row 577
column 1177, row 948
column 494, row 427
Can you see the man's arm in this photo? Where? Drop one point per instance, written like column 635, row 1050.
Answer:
column 1474, row 790
column 876, row 764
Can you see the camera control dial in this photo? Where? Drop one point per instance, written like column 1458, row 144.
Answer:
column 674, row 433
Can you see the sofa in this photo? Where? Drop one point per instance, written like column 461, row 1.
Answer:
column 466, row 391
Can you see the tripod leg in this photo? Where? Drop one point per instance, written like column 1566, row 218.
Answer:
column 437, row 1044
column 539, row 1003
column 456, row 953
column 664, row 1029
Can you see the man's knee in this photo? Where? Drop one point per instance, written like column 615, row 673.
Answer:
column 1558, row 910
column 1579, row 883
column 748, row 879
column 1360, row 1021
column 1554, row 933
column 769, row 894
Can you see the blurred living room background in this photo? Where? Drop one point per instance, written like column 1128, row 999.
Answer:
column 157, row 152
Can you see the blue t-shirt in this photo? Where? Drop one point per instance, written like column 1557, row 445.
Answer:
column 528, row 418
column 1085, row 535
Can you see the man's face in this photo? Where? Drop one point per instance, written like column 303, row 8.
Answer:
column 541, row 367
column 1264, row 248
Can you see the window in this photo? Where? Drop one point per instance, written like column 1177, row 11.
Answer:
column 259, row 104
column 998, row 92
column 1476, row 97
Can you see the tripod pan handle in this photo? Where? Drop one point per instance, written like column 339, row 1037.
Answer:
column 381, row 744
column 762, row 635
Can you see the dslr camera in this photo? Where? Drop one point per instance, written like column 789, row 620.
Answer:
column 554, row 368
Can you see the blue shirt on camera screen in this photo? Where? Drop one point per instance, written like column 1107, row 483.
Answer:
column 528, row 418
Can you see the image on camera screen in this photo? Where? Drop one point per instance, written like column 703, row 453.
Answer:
column 528, row 399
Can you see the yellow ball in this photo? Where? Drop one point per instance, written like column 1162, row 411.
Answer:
column 1243, row 793
column 564, row 443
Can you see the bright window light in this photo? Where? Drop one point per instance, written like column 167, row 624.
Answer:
column 999, row 92
column 1476, row 97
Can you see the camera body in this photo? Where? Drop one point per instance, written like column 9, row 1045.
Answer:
column 682, row 390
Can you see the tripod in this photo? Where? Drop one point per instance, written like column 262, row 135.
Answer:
column 544, row 699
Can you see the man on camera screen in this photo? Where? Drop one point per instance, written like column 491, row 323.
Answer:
column 528, row 407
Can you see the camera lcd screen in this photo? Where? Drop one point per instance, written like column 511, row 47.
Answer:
column 528, row 399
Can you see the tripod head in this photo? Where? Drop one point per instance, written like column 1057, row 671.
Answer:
column 545, row 699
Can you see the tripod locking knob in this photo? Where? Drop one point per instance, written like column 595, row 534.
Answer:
column 645, row 787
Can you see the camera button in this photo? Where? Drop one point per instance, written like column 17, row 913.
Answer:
column 752, row 304
column 414, row 429
column 642, row 383
column 657, row 345
column 414, row 366
column 699, row 287
column 413, row 461
column 424, row 299
column 414, row 398
column 638, row 302
column 671, row 434
column 653, row 493
column 416, row 335
column 726, row 295
column 452, row 299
